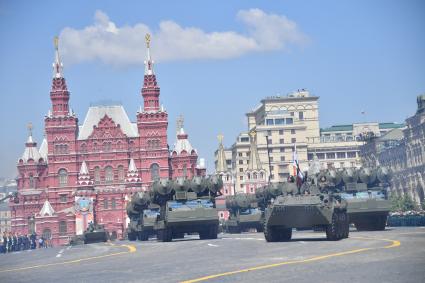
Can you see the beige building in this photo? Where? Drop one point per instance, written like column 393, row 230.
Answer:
column 280, row 123
column 404, row 152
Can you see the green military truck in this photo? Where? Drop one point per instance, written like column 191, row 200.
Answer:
column 244, row 214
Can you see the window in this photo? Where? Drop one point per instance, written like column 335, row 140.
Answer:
column 240, row 154
column 96, row 175
column 282, row 158
column 271, row 168
column 154, row 172
column 280, row 121
column 281, row 141
column 301, row 115
column 62, row 228
column 245, row 139
column 109, row 175
column 282, row 149
column 280, row 132
column 340, row 154
column 292, row 131
column 271, row 158
column 31, row 181
column 241, row 178
column 269, row 133
column 289, row 121
column 270, row 141
column 63, row 198
column 330, row 155
column 248, row 154
column 105, row 203
column 272, row 176
column 240, row 162
column 310, row 156
column 351, row 154
column 269, row 122
column 184, row 170
column 241, row 170
column 83, row 147
column 63, row 178
column 113, row 203
column 270, row 150
column 121, row 174
column 293, row 140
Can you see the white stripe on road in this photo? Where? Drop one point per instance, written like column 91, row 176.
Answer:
column 212, row 245
column 58, row 255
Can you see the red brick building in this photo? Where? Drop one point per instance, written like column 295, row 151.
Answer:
column 85, row 172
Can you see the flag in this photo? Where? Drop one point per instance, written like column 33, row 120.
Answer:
column 299, row 177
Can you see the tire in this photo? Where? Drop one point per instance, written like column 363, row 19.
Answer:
column 270, row 233
column 213, row 232
column 165, row 235
column 345, row 224
column 203, row 235
column 380, row 223
column 286, row 235
column 332, row 228
column 132, row 236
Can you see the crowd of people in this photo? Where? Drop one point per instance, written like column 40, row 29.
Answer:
column 13, row 242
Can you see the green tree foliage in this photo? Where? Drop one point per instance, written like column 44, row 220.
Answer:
column 402, row 204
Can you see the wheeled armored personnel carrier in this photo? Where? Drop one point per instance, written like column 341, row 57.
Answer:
column 95, row 233
column 244, row 214
column 135, row 210
column 185, row 206
column 367, row 198
column 315, row 204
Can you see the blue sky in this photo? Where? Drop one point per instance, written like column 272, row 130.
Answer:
column 215, row 61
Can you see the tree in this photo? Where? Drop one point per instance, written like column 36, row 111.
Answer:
column 402, row 204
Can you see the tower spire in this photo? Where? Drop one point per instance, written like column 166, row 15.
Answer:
column 221, row 158
column 254, row 159
column 57, row 65
column 148, row 62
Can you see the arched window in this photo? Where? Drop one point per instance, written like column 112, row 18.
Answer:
column 97, row 175
column 113, row 203
column 83, row 147
column 105, row 203
column 255, row 176
column 121, row 174
column 31, row 181
column 109, row 175
column 62, row 228
column 154, row 172
column 63, row 178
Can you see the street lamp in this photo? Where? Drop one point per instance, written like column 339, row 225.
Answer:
column 268, row 156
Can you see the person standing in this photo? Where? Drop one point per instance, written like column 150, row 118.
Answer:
column 4, row 242
column 9, row 242
column 14, row 242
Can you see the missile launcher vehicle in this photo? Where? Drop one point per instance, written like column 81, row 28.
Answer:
column 366, row 194
column 315, row 204
column 183, row 206
column 244, row 214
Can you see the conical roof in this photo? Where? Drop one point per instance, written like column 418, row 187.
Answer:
column 221, row 158
column 254, row 160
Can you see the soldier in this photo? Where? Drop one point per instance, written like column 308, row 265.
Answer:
column 4, row 242
column 33, row 240
column 9, row 242
column 20, row 242
column 14, row 242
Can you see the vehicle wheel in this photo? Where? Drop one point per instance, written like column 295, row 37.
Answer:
column 132, row 236
column 345, row 223
column 380, row 222
column 286, row 235
column 260, row 229
column 203, row 235
column 332, row 228
column 213, row 232
column 143, row 236
column 270, row 233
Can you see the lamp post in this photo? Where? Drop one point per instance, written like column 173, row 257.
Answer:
column 268, row 156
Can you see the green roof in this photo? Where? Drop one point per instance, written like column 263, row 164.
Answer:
column 338, row 128
column 391, row 125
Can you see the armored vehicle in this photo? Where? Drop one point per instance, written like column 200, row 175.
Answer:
column 314, row 204
column 244, row 214
column 95, row 233
column 367, row 198
column 184, row 206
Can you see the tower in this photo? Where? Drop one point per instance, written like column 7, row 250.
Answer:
column 61, row 128
column 222, row 170
column 152, row 123
column 255, row 175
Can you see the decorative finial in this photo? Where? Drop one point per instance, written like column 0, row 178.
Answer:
column 220, row 138
column 56, row 42
column 29, row 127
column 148, row 40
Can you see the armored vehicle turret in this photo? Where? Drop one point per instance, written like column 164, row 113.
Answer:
column 314, row 204
column 244, row 214
column 367, row 198
column 95, row 233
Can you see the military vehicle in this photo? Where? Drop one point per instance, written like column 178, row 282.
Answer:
column 367, row 198
column 185, row 206
column 95, row 233
column 316, row 203
column 244, row 214
column 136, row 210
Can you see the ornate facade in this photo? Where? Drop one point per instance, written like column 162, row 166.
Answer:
column 83, row 173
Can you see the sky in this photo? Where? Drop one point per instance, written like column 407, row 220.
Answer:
column 214, row 61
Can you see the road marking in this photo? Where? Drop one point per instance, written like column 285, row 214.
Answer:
column 212, row 245
column 131, row 249
column 58, row 255
column 394, row 243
